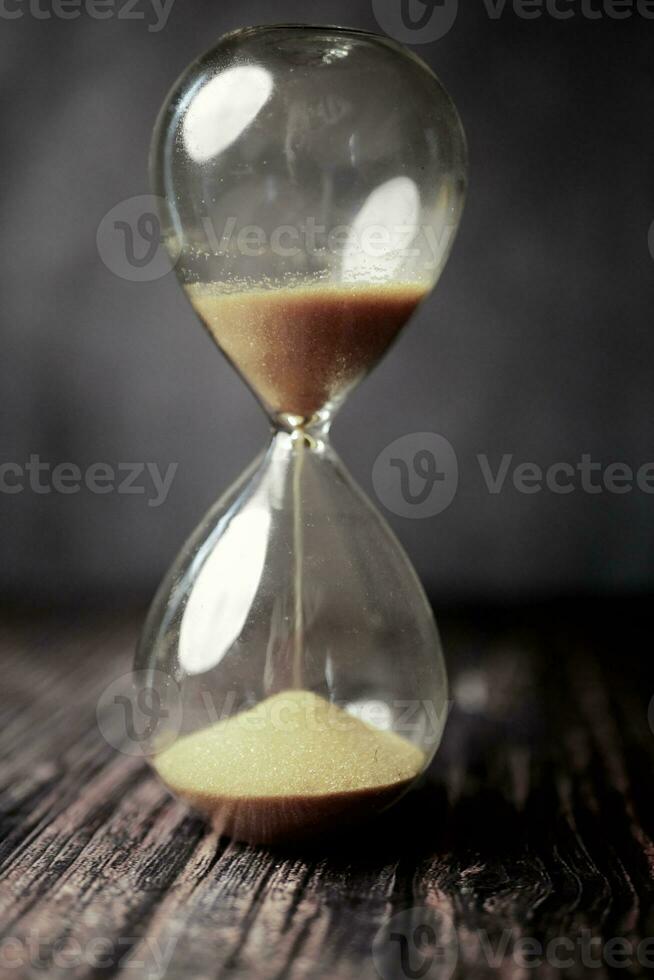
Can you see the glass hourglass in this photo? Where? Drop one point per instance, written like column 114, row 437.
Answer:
column 312, row 180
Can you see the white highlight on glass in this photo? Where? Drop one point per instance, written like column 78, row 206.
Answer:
column 223, row 109
column 382, row 231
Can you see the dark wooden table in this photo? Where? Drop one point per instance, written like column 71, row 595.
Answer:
column 528, row 854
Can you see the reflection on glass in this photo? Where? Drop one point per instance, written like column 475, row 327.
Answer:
column 219, row 112
column 382, row 231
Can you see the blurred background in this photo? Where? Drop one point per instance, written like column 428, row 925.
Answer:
column 536, row 346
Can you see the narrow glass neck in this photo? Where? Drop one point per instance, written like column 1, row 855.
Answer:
column 289, row 448
column 314, row 430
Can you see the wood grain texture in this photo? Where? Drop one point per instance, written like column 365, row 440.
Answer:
column 528, row 853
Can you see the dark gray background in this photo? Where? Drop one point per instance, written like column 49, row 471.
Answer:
column 537, row 341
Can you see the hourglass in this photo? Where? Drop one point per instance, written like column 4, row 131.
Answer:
column 312, row 180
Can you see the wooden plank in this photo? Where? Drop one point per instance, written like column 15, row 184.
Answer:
column 535, row 826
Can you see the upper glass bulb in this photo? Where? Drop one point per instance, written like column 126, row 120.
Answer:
column 325, row 164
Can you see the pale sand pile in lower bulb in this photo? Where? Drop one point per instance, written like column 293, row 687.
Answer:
column 291, row 767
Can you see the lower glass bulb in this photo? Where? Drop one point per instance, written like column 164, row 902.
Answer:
column 306, row 656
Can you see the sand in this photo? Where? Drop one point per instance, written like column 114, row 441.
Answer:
column 291, row 767
column 304, row 347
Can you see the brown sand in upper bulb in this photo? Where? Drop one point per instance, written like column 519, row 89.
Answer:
column 301, row 347
column 291, row 767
